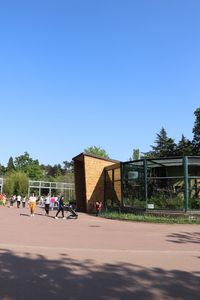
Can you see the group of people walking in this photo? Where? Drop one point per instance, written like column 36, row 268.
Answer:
column 47, row 202
column 19, row 199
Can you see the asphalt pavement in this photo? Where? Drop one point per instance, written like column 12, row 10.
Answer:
column 95, row 258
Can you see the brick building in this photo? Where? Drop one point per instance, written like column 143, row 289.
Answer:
column 89, row 180
column 144, row 184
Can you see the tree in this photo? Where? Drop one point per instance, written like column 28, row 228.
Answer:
column 2, row 170
column 23, row 161
column 184, row 147
column 16, row 183
column 68, row 166
column 58, row 170
column 52, row 171
column 34, row 171
column 196, row 133
column 10, row 165
column 26, row 164
column 165, row 146
column 93, row 150
column 135, row 155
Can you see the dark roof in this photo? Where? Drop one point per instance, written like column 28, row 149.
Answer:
column 95, row 156
column 167, row 161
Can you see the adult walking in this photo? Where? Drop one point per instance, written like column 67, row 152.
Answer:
column 60, row 208
column 32, row 204
column 24, row 201
column 18, row 200
column 47, row 203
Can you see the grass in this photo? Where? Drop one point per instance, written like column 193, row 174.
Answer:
column 151, row 218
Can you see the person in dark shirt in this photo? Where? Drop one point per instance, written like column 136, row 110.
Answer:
column 60, row 208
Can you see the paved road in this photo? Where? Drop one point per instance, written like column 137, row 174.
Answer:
column 95, row 258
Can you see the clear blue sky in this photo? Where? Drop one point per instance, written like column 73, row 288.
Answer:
column 106, row 73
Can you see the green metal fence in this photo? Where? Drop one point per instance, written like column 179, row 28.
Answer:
column 156, row 184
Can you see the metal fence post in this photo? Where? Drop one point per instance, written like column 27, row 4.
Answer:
column 186, row 194
column 145, row 181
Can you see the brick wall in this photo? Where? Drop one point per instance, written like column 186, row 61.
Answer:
column 89, row 180
column 79, row 178
column 94, row 179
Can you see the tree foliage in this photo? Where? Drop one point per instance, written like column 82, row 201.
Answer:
column 26, row 164
column 58, row 173
column 184, row 147
column 68, row 166
column 196, row 133
column 135, row 155
column 2, row 170
column 93, row 150
column 10, row 165
column 166, row 146
column 16, row 183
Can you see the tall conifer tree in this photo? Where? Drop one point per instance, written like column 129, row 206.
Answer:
column 196, row 132
column 184, row 147
column 165, row 146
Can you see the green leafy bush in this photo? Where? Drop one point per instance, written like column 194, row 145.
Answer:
column 16, row 183
column 161, row 201
column 194, row 203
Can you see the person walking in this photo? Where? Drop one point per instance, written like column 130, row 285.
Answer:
column 18, row 200
column 60, row 208
column 41, row 201
column 47, row 203
column 32, row 204
column 4, row 199
column 13, row 199
column 24, row 201
column 58, row 199
column 52, row 204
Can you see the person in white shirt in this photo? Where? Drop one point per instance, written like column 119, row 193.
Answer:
column 32, row 204
column 18, row 200
column 47, row 203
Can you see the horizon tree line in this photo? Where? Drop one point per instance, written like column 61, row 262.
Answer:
column 165, row 146
column 34, row 170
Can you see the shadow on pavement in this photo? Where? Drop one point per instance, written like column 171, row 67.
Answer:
column 36, row 214
column 184, row 238
column 35, row 277
column 24, row 215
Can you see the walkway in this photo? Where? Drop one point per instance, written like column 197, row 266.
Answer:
column 94, row 258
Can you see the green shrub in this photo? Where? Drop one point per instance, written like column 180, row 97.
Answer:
column 194, row 203
column 16, row 183
column 161, row 201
